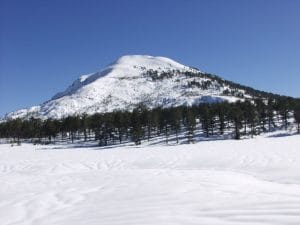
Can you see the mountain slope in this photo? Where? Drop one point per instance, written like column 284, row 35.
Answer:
column 136, row 79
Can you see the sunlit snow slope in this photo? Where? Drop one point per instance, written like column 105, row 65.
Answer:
column 249, row 182
column 131, row 80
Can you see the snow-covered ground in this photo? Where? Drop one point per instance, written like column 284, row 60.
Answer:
column 253, row 182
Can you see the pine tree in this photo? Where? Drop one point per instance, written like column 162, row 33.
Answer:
column 237, row 118
column 71, row 124
column 35, row 128
column 270, row 113
column 95, row 122
column 149, row 123
column 261, row 113
column 165, row 123
column 191, row 125
column 205, row 117
column 136, row 126
column 15, row 129
column 175, row 120
column 250, row 115
column 108, row 129
column 297, row 116
column 221, row 111
column 83, row 125
column 120, row 125
column 283, row 107
column 50, row 129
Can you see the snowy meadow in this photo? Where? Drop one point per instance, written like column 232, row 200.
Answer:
column 227, row 182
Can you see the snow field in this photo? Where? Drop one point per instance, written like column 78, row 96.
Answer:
column 255, row 181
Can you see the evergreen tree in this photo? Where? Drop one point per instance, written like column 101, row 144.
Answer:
column 50, row 129
column 283, row 108
column 221, row 112
column 15, row 129
column 71, row 124
column 175, row 120
column 165, row 122
column 95, row 123
column 191, row 124
column 270, row 113
column 83, row 125
column 136, row 126
column 205, row 117
column 237, row 118
column 251, row 116
column 155, row 118
column 297, row 116
column 261, row 113
column 143, row 123
column 120, row 125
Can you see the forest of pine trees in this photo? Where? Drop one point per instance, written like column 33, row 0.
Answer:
column 206, row 120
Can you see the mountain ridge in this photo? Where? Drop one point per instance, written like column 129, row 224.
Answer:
column 134, row 79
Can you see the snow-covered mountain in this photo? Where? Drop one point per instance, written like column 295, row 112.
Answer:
column 132, row 80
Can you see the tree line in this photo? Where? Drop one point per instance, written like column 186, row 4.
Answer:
column 250, row 117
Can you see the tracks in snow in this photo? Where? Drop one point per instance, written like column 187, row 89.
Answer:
column 234, row 183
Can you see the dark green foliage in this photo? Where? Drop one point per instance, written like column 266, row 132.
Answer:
column 175, row 120
column 50, row 128
column 119, row 121
column 270, row 113
column 190, row 121
column 240, row 118
column 283, row 106
column 205, row 118
column 155, row 75
column 71, row 125
column 84, row 125
column 236, row 116
column 261, row 114
column 137, row 126
column 297, row 115
column 222, row 112
column 250, row 116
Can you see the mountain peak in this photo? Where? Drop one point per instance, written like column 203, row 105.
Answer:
column 127, row 66
column 148, row 61
column 154, row 81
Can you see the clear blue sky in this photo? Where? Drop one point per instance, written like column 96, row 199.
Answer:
column 45, row 45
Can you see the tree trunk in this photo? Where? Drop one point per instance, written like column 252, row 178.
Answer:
column 237, row 132
column 85, row 134
column 166, row 131
column 149, row 133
